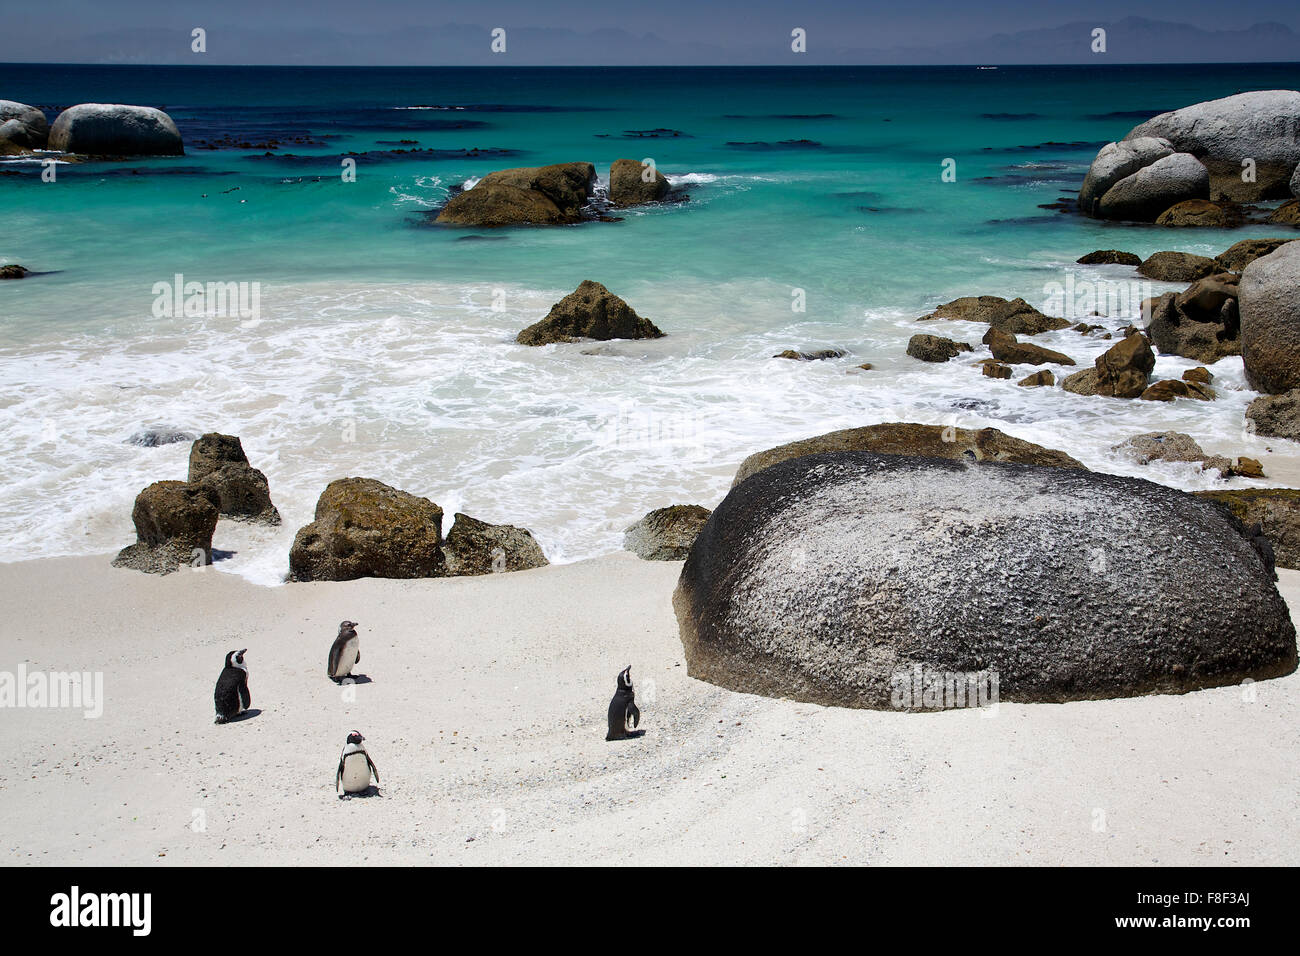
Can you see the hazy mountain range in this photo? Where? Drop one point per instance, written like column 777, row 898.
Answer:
column 1130, row 40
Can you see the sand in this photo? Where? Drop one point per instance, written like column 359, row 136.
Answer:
column 486, row 719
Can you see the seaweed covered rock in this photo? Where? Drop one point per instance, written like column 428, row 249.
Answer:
column 666, row 534
column 367, row 529
column 476, row 547
column 589, row 312
column 174, row 521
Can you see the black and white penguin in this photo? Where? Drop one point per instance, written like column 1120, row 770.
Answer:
column 355, row 767
column 344, row 653
column 623, row 713
column 231, row 696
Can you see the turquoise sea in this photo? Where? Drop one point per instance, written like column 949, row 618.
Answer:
column 383, row 345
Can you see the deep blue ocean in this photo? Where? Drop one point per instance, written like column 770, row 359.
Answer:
column 383, row 345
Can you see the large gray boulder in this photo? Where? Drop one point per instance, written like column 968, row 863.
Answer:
column 1269, row 300
column 1263, row 125
column 112, row 129
column 830, row 578
column 1143, row 196
column 1116, row 161
column 22, row 128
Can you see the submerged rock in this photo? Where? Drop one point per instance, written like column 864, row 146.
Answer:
column 476, row 547
column 934, row 348
column 665, row 534
column 1201, row 212
column 831, row 578
column 1122, row 371
column 1110, row 257
column 174, row 521
column 593, row 312
column 1006, row 348
column 906, row 438
column 1015, row 316
column 153, row 437
column 817, row 356
column 367, row 529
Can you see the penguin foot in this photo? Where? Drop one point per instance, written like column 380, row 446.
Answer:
column 219, row 720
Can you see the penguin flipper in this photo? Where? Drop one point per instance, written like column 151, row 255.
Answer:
column 245, row 698
column 338, row 775
column 633, row 715
column 373, row 769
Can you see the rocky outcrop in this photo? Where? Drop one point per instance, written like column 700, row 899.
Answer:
column 1143, row 196
column 174, row 521
column 1276, row 416
column 13, row 271
column 539, row 195
column 1110, row 257
column 666, row 534
column 934, row 348
column 1179, row 447
column 153, row 437
column 112, row 129
column 1241, row 254
column 1122, row 371
column 1037, row 379
column 1006, row 348
column 833, row 578
column 634, row 184
column 23, row 128
column 1275, row 510
column 1177, row 267
column 906, row 438
column 995, row 369
column 1203, row 334
column 1202, row 212
column 218, row 462
column 1263, row 126
column 1270, row 320
column 590, row 312
column 1169, row 389
column 1115, row 162
column 367, row 529
column 1015, row 316
column 1287, row 214
column 476, row 547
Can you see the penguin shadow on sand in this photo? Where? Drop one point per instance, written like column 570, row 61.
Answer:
column 623, row 713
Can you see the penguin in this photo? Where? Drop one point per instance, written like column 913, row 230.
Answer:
column 623, row 713
column 345, row 652
column 355, row 767
column 231, row 696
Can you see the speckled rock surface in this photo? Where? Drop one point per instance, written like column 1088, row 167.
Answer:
column 823, row 578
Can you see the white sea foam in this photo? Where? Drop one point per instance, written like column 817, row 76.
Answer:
column 421, row 385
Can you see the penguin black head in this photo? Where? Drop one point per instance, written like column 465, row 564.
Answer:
column 345, row 625
column 355, row 737
column 236, row 659
column 625, row 678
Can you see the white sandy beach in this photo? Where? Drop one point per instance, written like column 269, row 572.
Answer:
column 486, row 719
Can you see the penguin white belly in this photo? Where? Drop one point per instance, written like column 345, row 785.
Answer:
column 348, row 658
column 356, row 773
